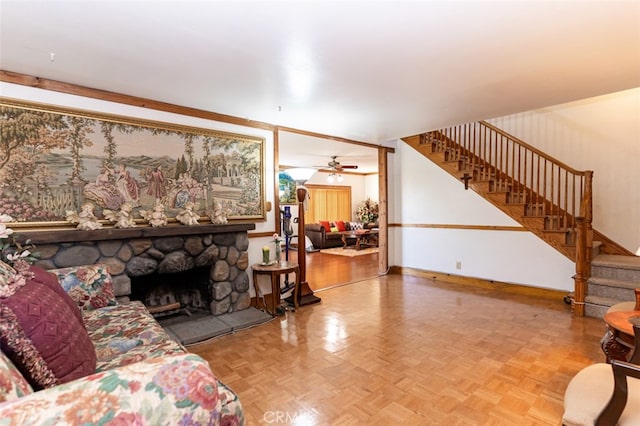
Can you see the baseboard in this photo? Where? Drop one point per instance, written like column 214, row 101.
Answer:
column 513, row 288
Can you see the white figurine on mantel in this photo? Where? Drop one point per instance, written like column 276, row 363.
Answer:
column 86, row 220
column 123, row 218
column 188, row 216
column 219, row 215
column 155, row 217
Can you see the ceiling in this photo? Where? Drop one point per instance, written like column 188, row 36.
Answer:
column 371, row 71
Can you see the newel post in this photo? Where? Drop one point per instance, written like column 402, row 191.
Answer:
column 581, row 276
column 584, row 246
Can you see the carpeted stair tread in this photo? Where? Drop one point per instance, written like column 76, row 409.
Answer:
column 609, row 282
column 595, row 311
column 600, row 301
column 598, row 306
column 617, row 261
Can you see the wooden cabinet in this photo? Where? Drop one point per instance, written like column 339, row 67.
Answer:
column 328, row 203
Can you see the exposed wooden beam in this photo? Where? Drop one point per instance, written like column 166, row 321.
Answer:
column 72, row 89
column 334, row 138
column 383, row 236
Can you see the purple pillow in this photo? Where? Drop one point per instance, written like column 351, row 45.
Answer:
column 51, row 280
column 39, row 332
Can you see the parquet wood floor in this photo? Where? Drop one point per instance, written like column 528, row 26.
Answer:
column 326, row 270
column 404, row 350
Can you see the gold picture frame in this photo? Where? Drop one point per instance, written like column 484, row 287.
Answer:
column 54, row 159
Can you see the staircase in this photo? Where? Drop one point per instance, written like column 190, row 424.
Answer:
column 547, row 197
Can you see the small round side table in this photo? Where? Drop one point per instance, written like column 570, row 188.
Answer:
column 274, row 270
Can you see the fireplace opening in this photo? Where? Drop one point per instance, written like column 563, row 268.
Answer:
column 166, row 294
column 181, row 303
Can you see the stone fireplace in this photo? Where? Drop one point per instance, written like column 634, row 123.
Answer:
column 161, row 254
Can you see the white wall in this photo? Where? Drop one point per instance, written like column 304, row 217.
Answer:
column 436, row 198
column 372, row 187
column 600, row 134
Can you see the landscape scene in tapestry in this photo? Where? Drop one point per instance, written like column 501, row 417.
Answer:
column 51, row 163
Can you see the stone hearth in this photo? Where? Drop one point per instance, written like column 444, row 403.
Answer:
column 140, row 251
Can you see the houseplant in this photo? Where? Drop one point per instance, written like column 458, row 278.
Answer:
column 367, row 211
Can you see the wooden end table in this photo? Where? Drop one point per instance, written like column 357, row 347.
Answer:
column 275, row 270
column 618, row 342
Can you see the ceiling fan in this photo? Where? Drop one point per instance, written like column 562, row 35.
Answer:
column 335, row 165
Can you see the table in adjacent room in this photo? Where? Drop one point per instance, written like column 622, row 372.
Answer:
column 364, row 238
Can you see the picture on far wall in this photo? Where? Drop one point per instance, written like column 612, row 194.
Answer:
column 287, row 188
column 55, row 159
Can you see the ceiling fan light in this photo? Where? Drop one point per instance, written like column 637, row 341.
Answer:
column 330, row 178
column 340, row 178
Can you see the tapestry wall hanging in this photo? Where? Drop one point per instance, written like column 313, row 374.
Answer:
column 53, row 160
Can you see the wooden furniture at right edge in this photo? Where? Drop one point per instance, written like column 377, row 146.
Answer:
column 618, row 342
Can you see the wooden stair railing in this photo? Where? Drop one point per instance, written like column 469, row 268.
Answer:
column 546, row 196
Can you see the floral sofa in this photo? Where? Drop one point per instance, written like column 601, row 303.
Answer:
column 71, row 354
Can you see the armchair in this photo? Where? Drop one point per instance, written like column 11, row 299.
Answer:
column 605, row 394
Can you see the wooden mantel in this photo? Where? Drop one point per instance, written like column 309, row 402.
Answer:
column 74, row 235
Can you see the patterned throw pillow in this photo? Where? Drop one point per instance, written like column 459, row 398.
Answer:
column 40, row 334
column 89, row 286
column 355, row 225
column 12, row 383
column 10, row 280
